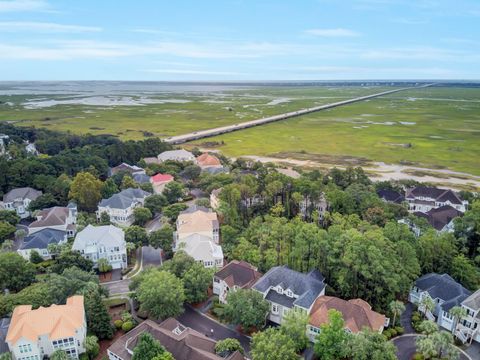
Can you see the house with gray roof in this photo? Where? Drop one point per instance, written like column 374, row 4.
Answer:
column 445, row 292
column 423, row 199
column 57, row 217
column 120, row 207
column 126, row 168
column 19, row 199
column 39, row 241
column 286, row 289
column 176, row 155
column 468, row 327
column 102, row 242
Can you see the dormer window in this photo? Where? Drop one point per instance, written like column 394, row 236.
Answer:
column 279, row 290
column 289, row 293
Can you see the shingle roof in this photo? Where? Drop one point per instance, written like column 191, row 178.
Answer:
column 56, row 321
column 160, row 178
column 127, row 168
column 357, row 313
column 124, row 199
column 21, row 193
column 390, row 195
column 473, row 301
column 51, row 217
column 107, row 235
column 208, row 160
column 441, row 216
column 307, row 286
column 41, row 239
column 196, row 219
column 178, row 155
column 201, row 248
column 238, row 273
column 444, row 287
column 141, row 178
column 440, row 195
column 188, row 345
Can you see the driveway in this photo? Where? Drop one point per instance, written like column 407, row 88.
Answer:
column 406, row 319
column 406, row 347
column 204, row 325
column 154, row 224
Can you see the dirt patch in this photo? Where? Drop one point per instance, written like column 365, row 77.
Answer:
column 116, row 311
column 105, row 344
column 105, row 277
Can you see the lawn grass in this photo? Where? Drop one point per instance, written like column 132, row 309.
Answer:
column 434, row 133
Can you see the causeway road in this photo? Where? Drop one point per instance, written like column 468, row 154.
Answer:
column 179, row 139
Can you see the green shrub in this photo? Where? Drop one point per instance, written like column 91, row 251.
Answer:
column 118, row 324
column 400, row 330
column 84, row 356
column 127, row 326
column 418, row 357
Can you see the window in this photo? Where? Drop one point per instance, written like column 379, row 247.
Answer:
column 289, row 293
column 274, row 309
column 279, row 290
column 314, row 330
column 25, row 348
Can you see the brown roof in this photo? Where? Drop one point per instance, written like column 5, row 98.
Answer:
column 56, row 321
column 185, row 345
column 197, row 221
column 51, row 217
column 441, row 216
column 208, row 160
column 357, row 313
column 239, row 273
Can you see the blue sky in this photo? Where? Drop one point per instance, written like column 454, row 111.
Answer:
column 239, row 39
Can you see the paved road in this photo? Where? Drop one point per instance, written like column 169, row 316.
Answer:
column 406, row 348
column 150, row 257
column 179, row 139
column 203, row 324
column 406, row 319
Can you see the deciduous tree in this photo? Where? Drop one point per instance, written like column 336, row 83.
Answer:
column 86, row 191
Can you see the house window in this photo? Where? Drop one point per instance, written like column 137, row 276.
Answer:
column 274, row 309
column 314, row 330
column 289, row 293
column 216, row 280
column 279, row 290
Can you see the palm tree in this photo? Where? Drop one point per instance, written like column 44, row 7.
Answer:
column 397, row 308
column 427, row 304
column 457, row 312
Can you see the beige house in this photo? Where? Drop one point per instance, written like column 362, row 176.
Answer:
column 159, row 182
column 35, row 334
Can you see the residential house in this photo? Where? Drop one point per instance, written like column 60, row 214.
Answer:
column 3, row 147
column 286, row 289
column 102, row 242
column 308, row 205
column 235, row 275
column 36, row 334
column 357, row 315
column 31, row 149
column 390, row 195
column 39, row 241
column 141, row 178
column 445, row 293
column 124, row 167
column 468, row 328
column 215, row 199
column 120, row 207
column 57, row 217
column 19, row 199
column 423, row 199
column 441, row 218
column 176, row 155
column 210, row 163
column 198, row 235
column 159, row 182
column 182, row 342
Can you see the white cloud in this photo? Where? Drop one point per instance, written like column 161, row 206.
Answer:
column 14, row 26
column 23, row 5
column 338, row 32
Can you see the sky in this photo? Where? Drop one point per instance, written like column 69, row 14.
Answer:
column 227, row 40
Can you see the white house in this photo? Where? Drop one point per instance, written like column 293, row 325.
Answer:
column 444, row 291
column 235, row 275
column 3, row 148
column 120, row 207
column 202, row 249
column 36, row 334
column 19, row 199
column 286, row 289
column 468, row 328
column 176, row 155
column 39, row 241
column 102, row 242
column 423, row 199
column 57, row 217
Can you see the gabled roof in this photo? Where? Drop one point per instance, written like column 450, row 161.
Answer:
column 161, row 178
column 141, row 178
column 41, row 239
column 21, row 193
column 307, row 286
column 124, row 199
column 357, row 313
column 440, row 217
column 201, row 247
column 184, row 344
column 238, row 273
column 56, row 321
column 208, row 160
column 178, row 155
column 444, row 287
column 440, row 195
column 107, row 235
column 54, row 216
column 390, row 195
column 132, row 169
column 196, row 219
column 473, row 301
